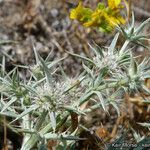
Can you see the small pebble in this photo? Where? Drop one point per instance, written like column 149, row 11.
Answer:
column 54, row 12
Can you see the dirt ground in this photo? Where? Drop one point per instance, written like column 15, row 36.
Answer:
column 45, row 25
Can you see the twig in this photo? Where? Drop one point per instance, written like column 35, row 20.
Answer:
column 129, row 13
column 57, row 45
column 118, row 122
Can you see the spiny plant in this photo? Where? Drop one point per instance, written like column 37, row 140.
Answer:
column 48, row 105
column 42, row 103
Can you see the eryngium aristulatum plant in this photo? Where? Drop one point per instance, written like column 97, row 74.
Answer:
column 113, row 71
column 134, row 34
column 42, row 103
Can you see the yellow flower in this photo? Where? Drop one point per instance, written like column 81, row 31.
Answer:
column 113, row 3
column 81, row 13
column 76, row 13
column 115, row 20
column 104, row 18
column 95, row 19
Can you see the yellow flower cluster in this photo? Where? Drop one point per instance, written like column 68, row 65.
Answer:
column 105, row 18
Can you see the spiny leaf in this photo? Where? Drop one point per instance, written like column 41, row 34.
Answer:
column 9, row 103
column 140, row 28
column 46, row 71
column 114, row 104
column 145, row 124
column 60, row 137
column 88, row 70
column 53, row 120
column 100, row 77
column 27, row 111
column 82, row 57
column 101, row 99
column 97, row 49
column 40, row 120
column 132, row 68
column 113, row 44
column 55, row 62
column 73, row 109
column 85, row 97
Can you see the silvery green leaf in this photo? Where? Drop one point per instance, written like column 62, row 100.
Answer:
column 123, row 32
column 60, row 136
column 137, row 136
column 93, row 107
column 93, row 49
column 133, row 20
column 76, row 83
column 48, row 56
column 3, row 42
column 142, row 44
column 124, row 62
column 73, row 109
column 3, row 66
column 3, row 88
column 124, row 48
column 9, row 114
column 8, row 104
column 46, row 71
column 140, row 37
column 64, row 76
column 21, row 66
column 145, row 124
column 145, row 89
column 5, row 82
column 82, row 57
column 113, row 44
column 85, row 97
column 146, row 75
column 55, row 62
column 30, row 89
column 140, row 28
column 53, row 120
column 103, row 72
column 114, row 104
column 27, row 111
column 36, row 54
column 45, row 129
column 8, row 56
column 97, row 50
column 29, row 144
column 131, row 33
column 40, row 120
column 33, row 139
column 132, row 68
column 144, row 63
column 101, row 99
column 88, row 70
